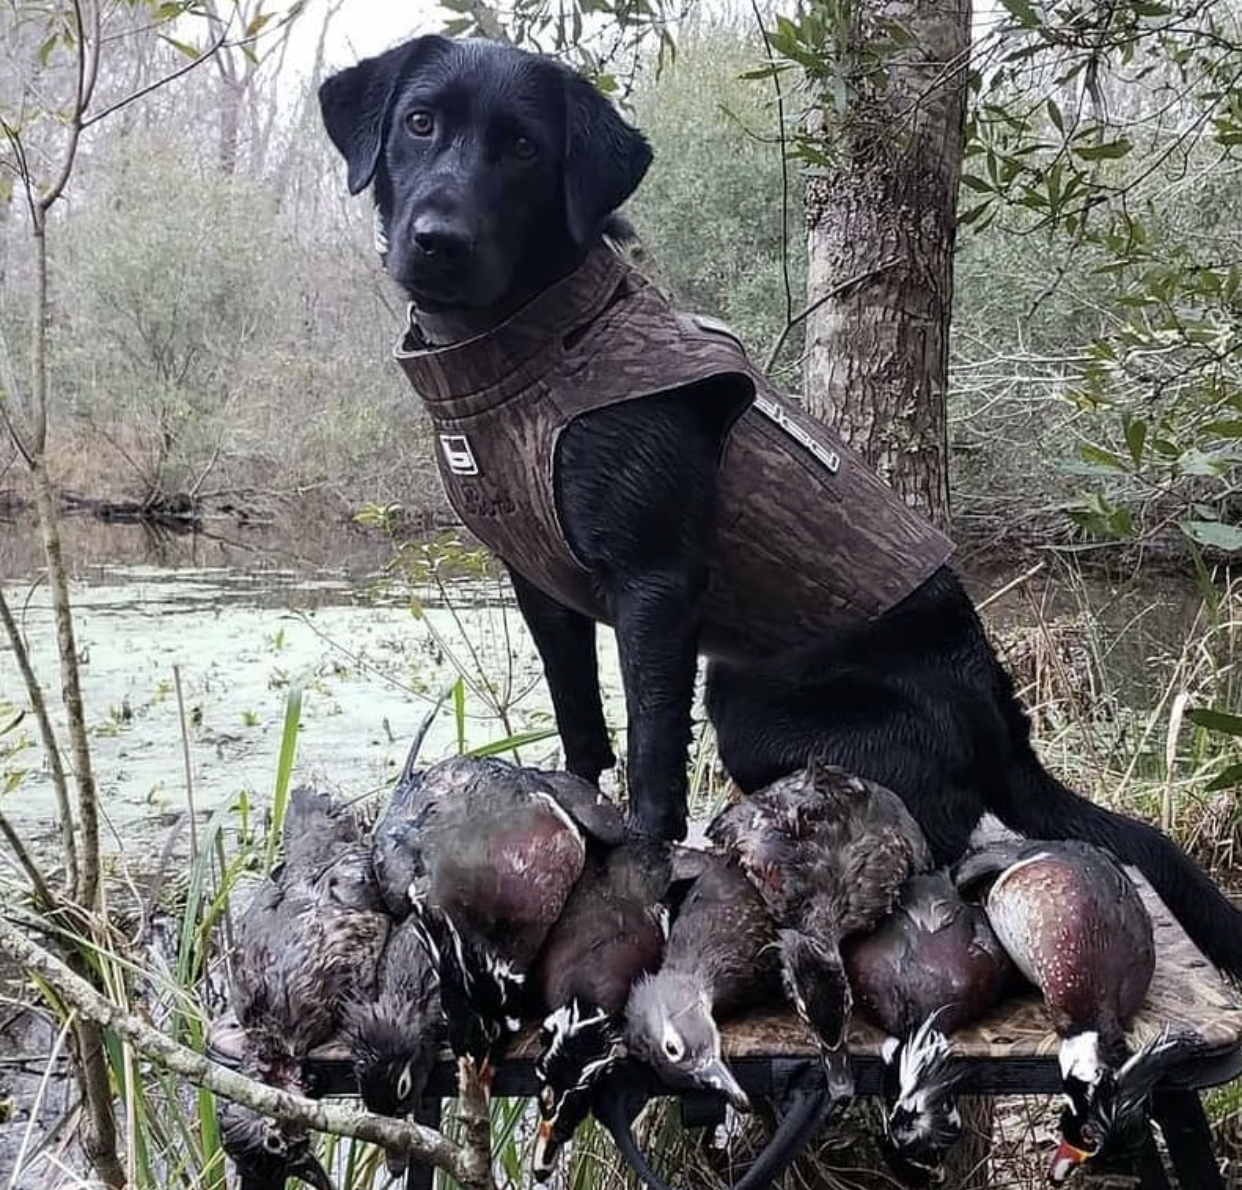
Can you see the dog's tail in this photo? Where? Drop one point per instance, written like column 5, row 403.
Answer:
column 1037, row 805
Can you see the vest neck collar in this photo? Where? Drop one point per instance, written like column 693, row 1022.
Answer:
column 491, row 367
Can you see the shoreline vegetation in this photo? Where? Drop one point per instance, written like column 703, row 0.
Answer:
column 1013, row 529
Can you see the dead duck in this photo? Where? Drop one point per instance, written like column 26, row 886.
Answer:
column 1077, row 928
column 611, row 933
column 721, row 958
column 394, row 1039
column 307, row 944
column 929, row 968
column 828, row 853
column 488, row 854
column 267, row 1153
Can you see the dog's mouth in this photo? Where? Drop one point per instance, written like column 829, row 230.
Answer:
column 440, row 288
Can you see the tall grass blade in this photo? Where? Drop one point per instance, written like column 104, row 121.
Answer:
column 459, row 713
column 284, row 770
column 511, row 743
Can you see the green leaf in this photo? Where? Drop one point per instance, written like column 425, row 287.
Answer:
column 975, row 213
column 1224, row 429
column 45, row 50
column 1136, row 438
column 1226, row 779
column 181, row 47
column 1109, row 150
column 1023, row 13
column 1121, row 523
column 1216, row 534
column 1054, row 114
column 459, row 713
column 1100, row 456
column 1213, row 720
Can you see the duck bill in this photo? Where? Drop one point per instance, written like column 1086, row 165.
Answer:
column 1066, row 1159
column 546, row 1151
column 716, row 1076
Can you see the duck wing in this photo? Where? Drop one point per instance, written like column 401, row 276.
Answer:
column 598, row 817
column 420, row 801
column 612, row 931
column 725, row 934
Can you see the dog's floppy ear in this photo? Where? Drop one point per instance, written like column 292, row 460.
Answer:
column 605, row 159
column 355, row 103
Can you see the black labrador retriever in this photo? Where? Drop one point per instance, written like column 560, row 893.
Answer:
column 494, row 173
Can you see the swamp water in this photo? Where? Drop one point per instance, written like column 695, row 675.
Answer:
column 245, row 620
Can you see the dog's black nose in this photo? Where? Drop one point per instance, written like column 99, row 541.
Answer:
column 435, row 235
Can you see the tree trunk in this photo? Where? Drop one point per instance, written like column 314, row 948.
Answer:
column 877, row 355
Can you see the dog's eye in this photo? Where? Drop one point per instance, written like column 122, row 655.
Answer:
column 420, row 123
column 524, row 148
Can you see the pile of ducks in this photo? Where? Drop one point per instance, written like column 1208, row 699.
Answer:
column 490, row 895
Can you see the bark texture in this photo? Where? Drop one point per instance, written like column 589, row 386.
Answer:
column 877, row 354
column 877, row 349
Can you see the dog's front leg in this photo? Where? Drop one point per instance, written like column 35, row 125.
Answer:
column 656, row 614
column 637, row 499
column 566, row 643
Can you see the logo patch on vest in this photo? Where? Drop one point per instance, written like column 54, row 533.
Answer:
column 771, row 410
column 458, row 455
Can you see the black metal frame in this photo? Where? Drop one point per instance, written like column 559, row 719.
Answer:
column 1176, row 1107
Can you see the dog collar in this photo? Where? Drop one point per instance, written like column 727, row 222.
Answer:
column 495, row 365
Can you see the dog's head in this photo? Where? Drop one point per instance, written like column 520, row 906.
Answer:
column 491, row 167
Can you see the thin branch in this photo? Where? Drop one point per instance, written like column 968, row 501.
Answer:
column 87, row 69
column 164, row 80
column 780, row 116
column 51, row 748
column 423, row 1144
column 189, row 768
column 45, row 896
column 834, row 292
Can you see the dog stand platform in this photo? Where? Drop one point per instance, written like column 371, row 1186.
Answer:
column 1011, row 1052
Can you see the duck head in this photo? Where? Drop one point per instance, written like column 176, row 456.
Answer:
column 922, row 1122
column 669, row 1025
column 267, row 1152
column 816, row 984
column 1108, row 1108
column 580, row 1044
column 480, row 992
column 393, row 1043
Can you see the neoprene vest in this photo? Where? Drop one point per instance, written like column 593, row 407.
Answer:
column 808, row 539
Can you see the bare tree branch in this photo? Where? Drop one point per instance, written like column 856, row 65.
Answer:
column 51, row 748
column 470, row 1168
